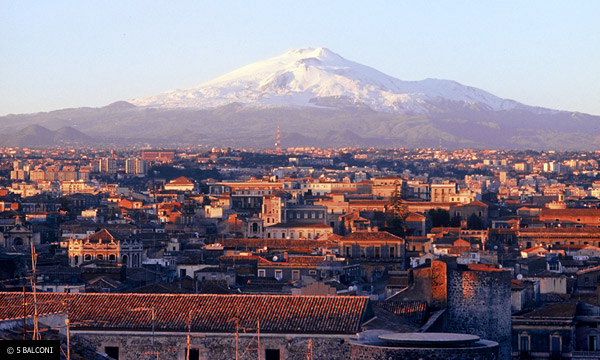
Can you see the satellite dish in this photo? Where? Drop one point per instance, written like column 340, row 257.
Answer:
column 275, row 258
column 520, row 277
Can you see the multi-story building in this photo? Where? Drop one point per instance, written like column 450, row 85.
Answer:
column 105, row 246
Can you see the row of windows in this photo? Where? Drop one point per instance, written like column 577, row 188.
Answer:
column 376, row 251
column 89, row 257
column 555, row 343
column 305, row 216
column 111, row 257
column 295, row 274
column 309, row 235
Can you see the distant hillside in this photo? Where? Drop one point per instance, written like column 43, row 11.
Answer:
column 39, row 136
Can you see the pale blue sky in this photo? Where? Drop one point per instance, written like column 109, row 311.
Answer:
column 57, row 54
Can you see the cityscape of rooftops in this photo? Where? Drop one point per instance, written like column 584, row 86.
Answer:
column 340, row 180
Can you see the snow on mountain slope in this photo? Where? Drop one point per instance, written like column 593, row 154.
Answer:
column 320, row 77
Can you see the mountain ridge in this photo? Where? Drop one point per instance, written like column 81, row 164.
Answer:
column 302, row 76
column 322, row 99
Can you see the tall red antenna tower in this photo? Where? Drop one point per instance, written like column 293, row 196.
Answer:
column 278, row 141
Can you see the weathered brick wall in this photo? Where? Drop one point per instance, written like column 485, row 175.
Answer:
column 136, row 347
column 365, row 352
column 479, row 303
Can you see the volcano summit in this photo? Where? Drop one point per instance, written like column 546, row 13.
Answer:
column 322, row 99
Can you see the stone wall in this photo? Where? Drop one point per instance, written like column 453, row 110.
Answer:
column 370, row 352
column 136, row 346
column 479, row 303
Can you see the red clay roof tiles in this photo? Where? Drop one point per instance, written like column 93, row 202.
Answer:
column 211, row 313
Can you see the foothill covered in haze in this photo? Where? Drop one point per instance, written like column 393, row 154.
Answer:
column 302, row 205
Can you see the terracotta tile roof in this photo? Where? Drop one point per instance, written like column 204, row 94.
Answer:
column 297, row 261
column 212, row 313
column 415, row 217
column 580, row 272
column 516, row 285
column 289, row 225
column 182, row 180
column 371, row 235
column 482, row 267
column 477, row 203
column 534, row 249
column 571, row 212
column 273, row 244
column 102, row 236
column 560, row 310
column 368, row 202
column 230, row 258
column 415, row 311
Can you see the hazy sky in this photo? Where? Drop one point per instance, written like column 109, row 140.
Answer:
column 58, row 54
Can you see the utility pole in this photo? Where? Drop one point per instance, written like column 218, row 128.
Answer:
column 237, row 337
column 67, row 323
column 309, row 353
column 36, row 329
column 189, row 336
column 24, row 313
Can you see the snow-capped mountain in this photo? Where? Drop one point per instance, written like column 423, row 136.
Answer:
column 318, row 77
column 319, row 99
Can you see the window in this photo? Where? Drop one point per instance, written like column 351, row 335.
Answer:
column 112, row 351
column 312, row 272
column 272, row 354
column 87, row 257
column 262, row 273
column 295, row 275
column 194, row 354
column 593, row 343
column 377, row 251
column 111, row 257
column 555, row 345
column 392, row 251
column 524, row 347
column 99, row 257
column 278, row 274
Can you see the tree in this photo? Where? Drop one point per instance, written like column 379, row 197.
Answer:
column 396, row 213
column 455, row 221
column 474, row 222
column 439, row 217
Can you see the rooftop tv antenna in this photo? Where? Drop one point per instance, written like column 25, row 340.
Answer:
column 278, row 141
column 36, row 329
